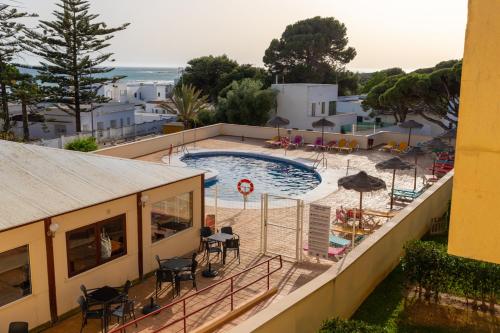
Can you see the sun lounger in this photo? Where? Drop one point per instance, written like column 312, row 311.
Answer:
column 331, row 145
column 401, row 148
column 275, row 140
column 332, row 251
column 317, row 144
column 389, row 146
column 347, row 229
column 337, row 241
column 407, row 195
column 350, row 147
column 342, row 143
column 297, row 142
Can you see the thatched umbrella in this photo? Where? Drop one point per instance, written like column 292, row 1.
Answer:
column 410, row 124
column 278, row 121
column 393, row 164
column 323, row 122
column 415, row 152
column 450, row 135
column 435, row 145
column 361, row 182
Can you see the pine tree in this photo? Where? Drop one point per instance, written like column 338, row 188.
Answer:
column 72, row 48
column 12, row 43
column 26, row 91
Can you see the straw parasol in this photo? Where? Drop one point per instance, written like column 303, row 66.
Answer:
column 414, row 152
column 323, row 122
column 410, row 124
column 278, row 121
column 393, row 164
column 361, row 182
column 450, row 135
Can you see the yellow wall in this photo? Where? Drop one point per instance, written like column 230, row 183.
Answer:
column 33, row 308
column 342, row 289
column 475, row 227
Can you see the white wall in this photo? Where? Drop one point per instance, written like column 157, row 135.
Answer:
column 295, row 104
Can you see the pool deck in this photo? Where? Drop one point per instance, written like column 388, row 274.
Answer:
column 247, row 224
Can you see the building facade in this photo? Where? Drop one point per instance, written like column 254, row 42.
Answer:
column 304, row 103
column 474, row 226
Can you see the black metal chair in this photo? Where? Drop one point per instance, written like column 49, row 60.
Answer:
column 89, row 301
column 231, row 245
column 162, row 276
column 186, row 276
column 204, row 233
column 124, row 310
column 18, row 327
column 226, row 230
column 212, row 248
column 89, row 314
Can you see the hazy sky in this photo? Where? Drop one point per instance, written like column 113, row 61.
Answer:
column 385, row 33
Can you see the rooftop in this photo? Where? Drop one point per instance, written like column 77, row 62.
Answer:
column 40, row 182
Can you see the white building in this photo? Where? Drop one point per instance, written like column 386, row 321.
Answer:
column 52, row 122
column 137, row 93
column 305, row 103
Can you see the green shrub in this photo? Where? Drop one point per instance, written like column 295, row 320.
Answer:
column 338, row 325
column 82, row 144
column 429, row 267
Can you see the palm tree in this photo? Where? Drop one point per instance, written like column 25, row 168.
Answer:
column 186, row 102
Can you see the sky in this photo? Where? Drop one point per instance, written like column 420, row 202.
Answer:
column 168, row 33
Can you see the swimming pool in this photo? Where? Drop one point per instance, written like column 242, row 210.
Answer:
column 269, row 174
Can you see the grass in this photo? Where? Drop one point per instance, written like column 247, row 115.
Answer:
column 385, row 305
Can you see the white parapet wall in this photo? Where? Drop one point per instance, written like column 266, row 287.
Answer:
column 163, row 142
column 339, row 291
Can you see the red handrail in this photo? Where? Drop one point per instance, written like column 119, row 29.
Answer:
column 183, row 300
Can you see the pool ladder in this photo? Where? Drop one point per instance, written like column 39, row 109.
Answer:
column 320, row 159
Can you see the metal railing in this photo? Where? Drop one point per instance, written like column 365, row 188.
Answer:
column 230, row 295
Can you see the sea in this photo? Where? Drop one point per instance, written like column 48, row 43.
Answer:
column 134, row 74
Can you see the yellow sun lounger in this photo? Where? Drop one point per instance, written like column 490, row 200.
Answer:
column 389, row 146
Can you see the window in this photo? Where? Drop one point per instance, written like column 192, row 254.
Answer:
column 121, row 122
column 313, row 109
column 332, row 108
column 112, row 123
column 15, row 277
column 135, row 95
column 171, row 216
column 128, row 121
column 323, row 107
column 95, row 244
column 60, row 129
column 159, row 94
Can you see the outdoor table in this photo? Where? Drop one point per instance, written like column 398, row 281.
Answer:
column 104, row 296
column 220, row 237
column 176, row 264
column 339, row 241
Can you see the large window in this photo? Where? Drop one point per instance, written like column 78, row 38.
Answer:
column 313, row 109
column 171, row 216
column 15, row 277
column 332, row 108
column 323, row 107
column 95, row 244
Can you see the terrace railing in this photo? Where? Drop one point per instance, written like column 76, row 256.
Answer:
column 230, row 281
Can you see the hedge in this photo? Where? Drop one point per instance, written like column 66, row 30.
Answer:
column 338, row 325
column 432, row 270
column 82, row 144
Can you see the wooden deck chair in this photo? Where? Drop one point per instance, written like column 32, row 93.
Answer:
column 342, row 143
column 401, row 148
column 275, row 140
column 389, row 146
column 352, row 146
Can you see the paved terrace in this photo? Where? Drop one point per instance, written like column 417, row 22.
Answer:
column 246, row 223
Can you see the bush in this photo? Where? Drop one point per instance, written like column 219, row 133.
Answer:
column 429, row 267
column 82, row 144
column 338, row 325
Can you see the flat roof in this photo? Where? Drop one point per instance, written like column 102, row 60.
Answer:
column 40, row 182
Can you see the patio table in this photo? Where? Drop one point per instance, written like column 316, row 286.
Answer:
column 339, row 241
column 105, row 296
column 220, row 237
column 176, row 264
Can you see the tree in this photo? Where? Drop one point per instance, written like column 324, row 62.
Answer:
column 27, row 92
column 309, row 51
column 377, row 77
column 12, row 43
column 187, row 102
column 205, row 74
column 72, row 48
column 212, row 74
column 246, row 103
column 374, row 101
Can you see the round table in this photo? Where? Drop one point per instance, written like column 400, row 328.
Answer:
column 176, row 264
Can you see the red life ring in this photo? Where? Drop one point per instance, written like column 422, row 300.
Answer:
column 245, row 190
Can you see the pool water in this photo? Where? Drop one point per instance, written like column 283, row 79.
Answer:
column 268, row 175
